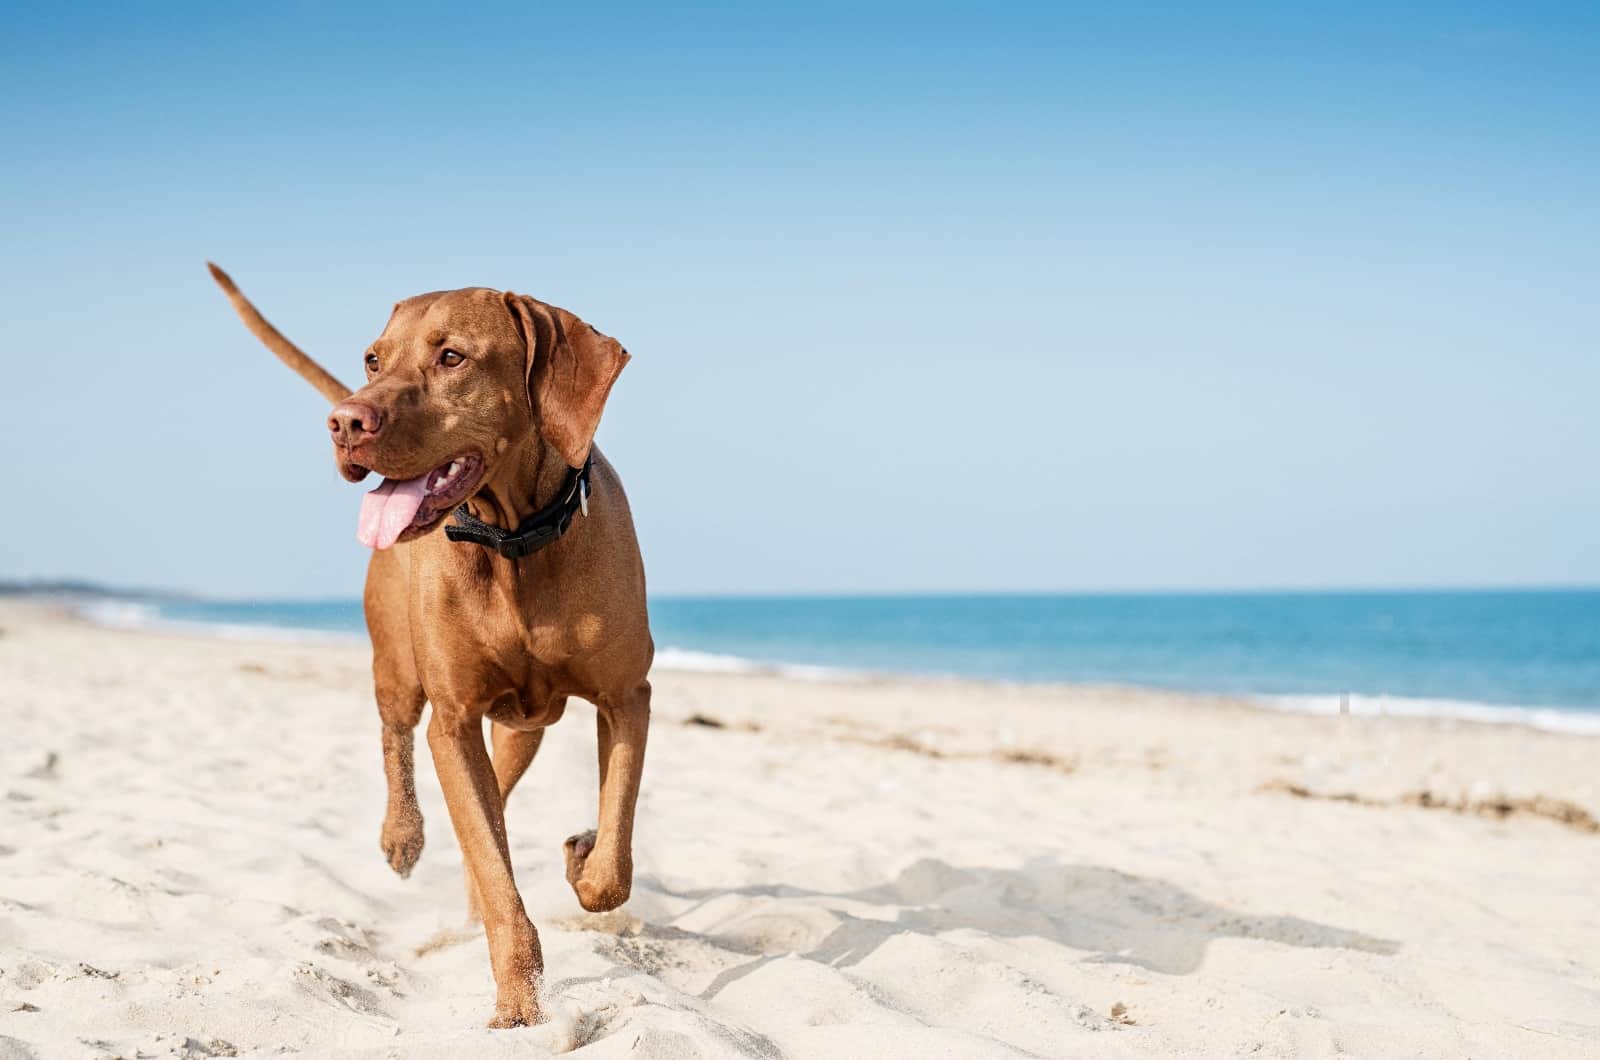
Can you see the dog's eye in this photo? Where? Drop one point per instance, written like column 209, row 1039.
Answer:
column 450, row 358
column 372, row 362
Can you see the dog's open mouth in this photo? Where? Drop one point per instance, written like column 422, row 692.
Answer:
column 406, row 508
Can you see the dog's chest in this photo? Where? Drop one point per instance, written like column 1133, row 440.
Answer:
column 491, row 649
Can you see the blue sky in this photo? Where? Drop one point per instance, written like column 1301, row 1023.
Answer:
column 920, row 298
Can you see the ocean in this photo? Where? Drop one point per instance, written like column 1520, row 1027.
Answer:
column 1524, row 656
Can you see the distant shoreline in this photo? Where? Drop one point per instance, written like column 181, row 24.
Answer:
column 143, row 614
column 59, row 587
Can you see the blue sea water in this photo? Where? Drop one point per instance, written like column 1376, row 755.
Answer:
column 1526, row 649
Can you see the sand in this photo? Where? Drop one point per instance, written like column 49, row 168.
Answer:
column 189, row 866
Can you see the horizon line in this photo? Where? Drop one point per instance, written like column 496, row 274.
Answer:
column 81, row 586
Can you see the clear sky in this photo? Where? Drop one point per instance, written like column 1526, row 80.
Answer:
column 922, row 298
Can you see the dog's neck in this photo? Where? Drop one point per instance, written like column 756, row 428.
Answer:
column 524, row 480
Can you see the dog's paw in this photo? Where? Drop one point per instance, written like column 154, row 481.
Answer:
column 578, row 848
column 401, row 842
column 516, row 1008
column 599, row 887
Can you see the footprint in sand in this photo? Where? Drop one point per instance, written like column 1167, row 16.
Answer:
column 328, row 987
column 335, row 938
column 11, row 1049
column 29, row 974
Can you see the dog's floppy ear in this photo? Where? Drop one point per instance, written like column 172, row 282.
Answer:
column 570, row 369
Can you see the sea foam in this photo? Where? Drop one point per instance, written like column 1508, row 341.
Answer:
column 1549, row 719
column 135, row 615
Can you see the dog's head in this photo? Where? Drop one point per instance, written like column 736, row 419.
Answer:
column 458, row 380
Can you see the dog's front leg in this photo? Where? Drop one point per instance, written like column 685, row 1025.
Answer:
column 473, row 796
column 400, row 701
column 400, row 707
column 513, row 753
column 600, row 863
column 401, row 835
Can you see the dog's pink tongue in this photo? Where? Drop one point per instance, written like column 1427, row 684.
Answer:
column 388, row 510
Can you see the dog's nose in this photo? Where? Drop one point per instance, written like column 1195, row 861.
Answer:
column 353, row 422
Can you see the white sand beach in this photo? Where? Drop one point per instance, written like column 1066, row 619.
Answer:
column 189, row 867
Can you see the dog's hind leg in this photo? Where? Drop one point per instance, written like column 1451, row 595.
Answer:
column 513, row 752
column 400, row 701
column 600, row 863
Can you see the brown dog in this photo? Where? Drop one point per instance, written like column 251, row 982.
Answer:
column 492, row 399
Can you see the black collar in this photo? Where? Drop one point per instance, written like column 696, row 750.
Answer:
column 537, row 530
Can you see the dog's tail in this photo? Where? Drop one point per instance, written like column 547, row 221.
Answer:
column 287, row 352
